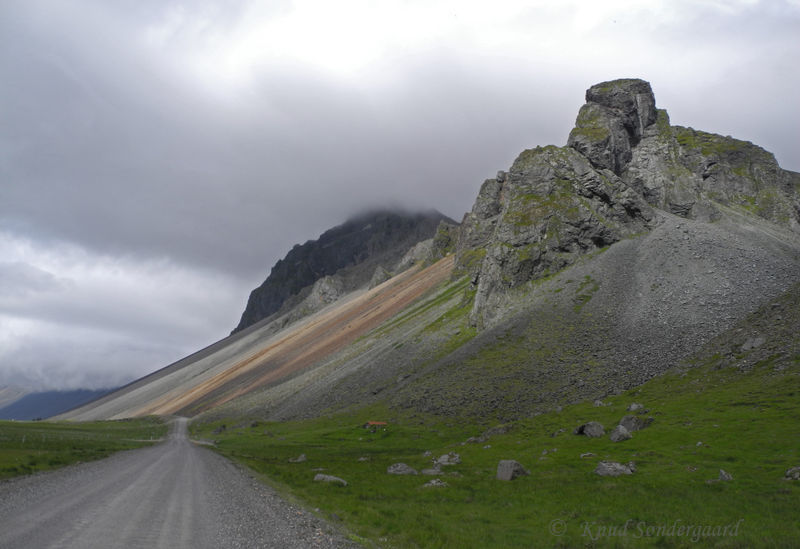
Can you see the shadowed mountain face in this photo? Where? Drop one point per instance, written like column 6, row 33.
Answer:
column 581, row 271
column 353, row 250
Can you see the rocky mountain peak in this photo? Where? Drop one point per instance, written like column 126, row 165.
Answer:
column 613, row 121
column 622, row 161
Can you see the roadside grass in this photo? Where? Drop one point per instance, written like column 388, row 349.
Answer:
column 30, row 446
column 706, row 419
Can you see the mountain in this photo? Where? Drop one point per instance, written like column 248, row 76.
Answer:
column 9, row 394
column 339, row 261
column 581, row 271
column 48, row 403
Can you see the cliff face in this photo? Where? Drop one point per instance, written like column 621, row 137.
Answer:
column 622, row 161
column 340, row 260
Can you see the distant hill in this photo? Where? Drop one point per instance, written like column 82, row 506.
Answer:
column 48, row 403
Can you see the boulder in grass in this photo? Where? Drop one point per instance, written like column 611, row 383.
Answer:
column 509, row 469
column 450, row 458
column 635, row 423
column 792, row 474
column 299, row 459
column 614, row 469
column 591, row 429
column 400, row 469
column 319, row 477
column 619, row 434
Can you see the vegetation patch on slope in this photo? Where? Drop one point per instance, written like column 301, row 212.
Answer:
column 705, row 419
column 27, row 447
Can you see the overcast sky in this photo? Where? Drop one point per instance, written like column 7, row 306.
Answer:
column 156, row 157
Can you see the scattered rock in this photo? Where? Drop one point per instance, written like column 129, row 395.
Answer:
column 363, row 458
column 635, row 423
column 451, row 458
column 619, row 434
column 599, row 403
column 753, row 343
column 635, row 406
column 699, row 443
column 591, row 429
column 319, row 477
column 492, row 431
column 614, row 469
column 299, row 459
column 427, row 453
column 555, row 434
column 400, row 469
column 587, row 455
column 509, row 469
column 433, row 471
column 435, row 483
column 792, row 474
column 725, row 476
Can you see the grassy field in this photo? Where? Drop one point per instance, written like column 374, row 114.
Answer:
column 706, row 419
column 30, row 446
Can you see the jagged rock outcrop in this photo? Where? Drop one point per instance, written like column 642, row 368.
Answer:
column 551, row 207
column 695, row 174
column 613, row 121
column 343, row 258
column 622, row 159
column 380, row 276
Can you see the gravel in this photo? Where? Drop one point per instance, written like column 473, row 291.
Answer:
column 171, row 495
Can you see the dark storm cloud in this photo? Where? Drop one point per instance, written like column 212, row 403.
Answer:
column 128, row 133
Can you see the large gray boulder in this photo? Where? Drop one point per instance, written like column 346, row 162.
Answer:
column 591, row 429
column 635, row 423
column 619, row 434
column 509, row 469
column 401, row 469
column 614, row 469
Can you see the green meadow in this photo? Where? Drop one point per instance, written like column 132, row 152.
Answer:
column 705, row 419
column 30, row 446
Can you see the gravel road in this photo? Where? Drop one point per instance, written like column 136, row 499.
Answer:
column 174, row 494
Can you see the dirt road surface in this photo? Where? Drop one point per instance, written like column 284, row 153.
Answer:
column 172, row 495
